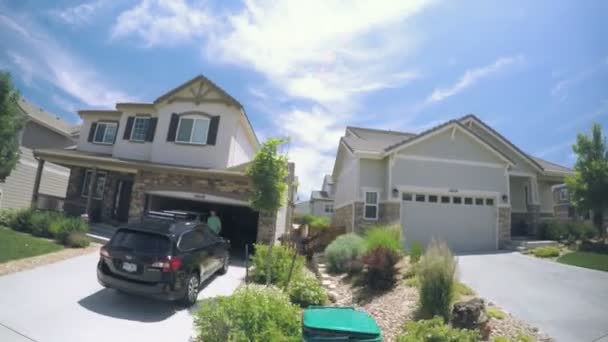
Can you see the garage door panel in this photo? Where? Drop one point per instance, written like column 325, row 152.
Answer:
column 464, row 227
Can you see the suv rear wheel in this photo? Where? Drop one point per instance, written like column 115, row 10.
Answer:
column 192, row 288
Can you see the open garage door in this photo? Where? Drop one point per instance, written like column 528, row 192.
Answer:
column 466, row 223
column 239, row 222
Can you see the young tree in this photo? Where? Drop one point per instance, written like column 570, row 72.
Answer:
column 588, row 187
column 268, row 174
column 11, row 122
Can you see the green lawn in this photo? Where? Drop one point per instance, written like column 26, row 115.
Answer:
column 15, row 245
column 593, row 261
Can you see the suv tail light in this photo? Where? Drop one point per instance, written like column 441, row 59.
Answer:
column 170, row 264
column 104, row 252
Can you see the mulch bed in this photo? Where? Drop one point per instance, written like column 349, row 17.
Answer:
column 45, row 259
column 391, row 309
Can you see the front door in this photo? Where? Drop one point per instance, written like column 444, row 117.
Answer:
column 122, row 200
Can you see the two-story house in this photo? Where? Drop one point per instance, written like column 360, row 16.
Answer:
column 461, row 181
column 185, row 151
column 322, row 201
column 42, row 130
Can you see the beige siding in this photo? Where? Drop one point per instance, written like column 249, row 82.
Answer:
column 518, row 197
column 458, row 146
column 242, row 150
column 318, row 208
column 372, row 176
column 18, row 187
column 546, row 197
column 521, row 164
column 87, row 121
column 346, row 180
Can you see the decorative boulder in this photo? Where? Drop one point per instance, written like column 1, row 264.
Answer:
column 470, row 314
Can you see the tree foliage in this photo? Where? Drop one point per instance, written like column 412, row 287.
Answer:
column 588, row 187
column 267, row 174
column 11, row 122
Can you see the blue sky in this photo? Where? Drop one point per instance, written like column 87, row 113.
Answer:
column 537, row 71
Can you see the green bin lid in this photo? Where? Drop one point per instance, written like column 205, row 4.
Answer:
column 339, row 319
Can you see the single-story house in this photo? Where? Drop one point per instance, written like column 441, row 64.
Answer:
column 461, row 181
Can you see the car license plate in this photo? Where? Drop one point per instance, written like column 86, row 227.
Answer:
column 129, row 267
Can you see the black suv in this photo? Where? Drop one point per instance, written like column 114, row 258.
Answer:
column 163, row 260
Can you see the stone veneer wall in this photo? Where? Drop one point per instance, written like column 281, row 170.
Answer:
column 504, row 225
column 390, row 213
column 234, row 187
column 343, row 217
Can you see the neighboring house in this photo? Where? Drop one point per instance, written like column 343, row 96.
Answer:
column 563, row 209
column 303, row 208
column 322, row 201
column 185, row 151
column 42, row 129
column 461, row 182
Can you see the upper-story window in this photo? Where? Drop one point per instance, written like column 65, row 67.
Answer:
column 141, row 124
column 140, row 128
column 563, row 194
column 104, row 132
column 193, row 130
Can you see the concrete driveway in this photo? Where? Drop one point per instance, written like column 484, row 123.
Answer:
column 568, row 303
column 63, row 302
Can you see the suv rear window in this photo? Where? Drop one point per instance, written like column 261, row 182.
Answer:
column 140, row 242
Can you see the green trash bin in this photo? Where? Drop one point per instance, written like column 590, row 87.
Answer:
column 332, row 323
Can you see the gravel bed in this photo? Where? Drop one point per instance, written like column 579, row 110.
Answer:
column 45, row 259
column 393, row 308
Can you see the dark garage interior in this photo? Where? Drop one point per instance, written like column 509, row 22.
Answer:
column 239, row 223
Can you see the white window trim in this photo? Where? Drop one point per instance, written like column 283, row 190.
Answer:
column 365, row 204
column 563, row 194
column 106, row 123
column 89, row 173
column 197, row 117
column 133, row 128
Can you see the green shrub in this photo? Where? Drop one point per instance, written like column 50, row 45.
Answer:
column 77, row 240
column 415, row 252
column 436, row 272
column 501, row 339
column 495, row 312
column 21, row 220
column 581, row 230
column 552, row 230
column 380, row 265
column 435, row 330
column 387, row 237
column 546, row 252
column 462, row 290
column 62, row 227
column 7, row 217
column 344, row 253
column 280, row 265
column 305, row 290
column 40, row 222
column 250, row 314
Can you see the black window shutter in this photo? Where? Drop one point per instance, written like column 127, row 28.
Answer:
column 173, row 127
column 92, row 131
column 151, row 129
column 213, row 126
column 127, row 134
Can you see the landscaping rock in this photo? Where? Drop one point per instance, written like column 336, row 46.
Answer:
column 470, row 314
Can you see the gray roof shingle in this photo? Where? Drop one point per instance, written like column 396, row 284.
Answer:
column 47, row 119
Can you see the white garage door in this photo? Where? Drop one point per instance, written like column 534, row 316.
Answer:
column 466, row 223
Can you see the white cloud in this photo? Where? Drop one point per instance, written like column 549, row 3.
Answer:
column 314, row 138
column 24, row 64
column 47, row 60
column 158, row 22
column 79, row 14
column 472, row 76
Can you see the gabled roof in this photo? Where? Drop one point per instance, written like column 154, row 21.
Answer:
column 372, row 140
column 48, row 120
column 320, row 195
column 383, row 142
column 501, row 137
column 193, row 81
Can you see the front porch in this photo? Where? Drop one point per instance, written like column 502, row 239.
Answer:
column 531, row 199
